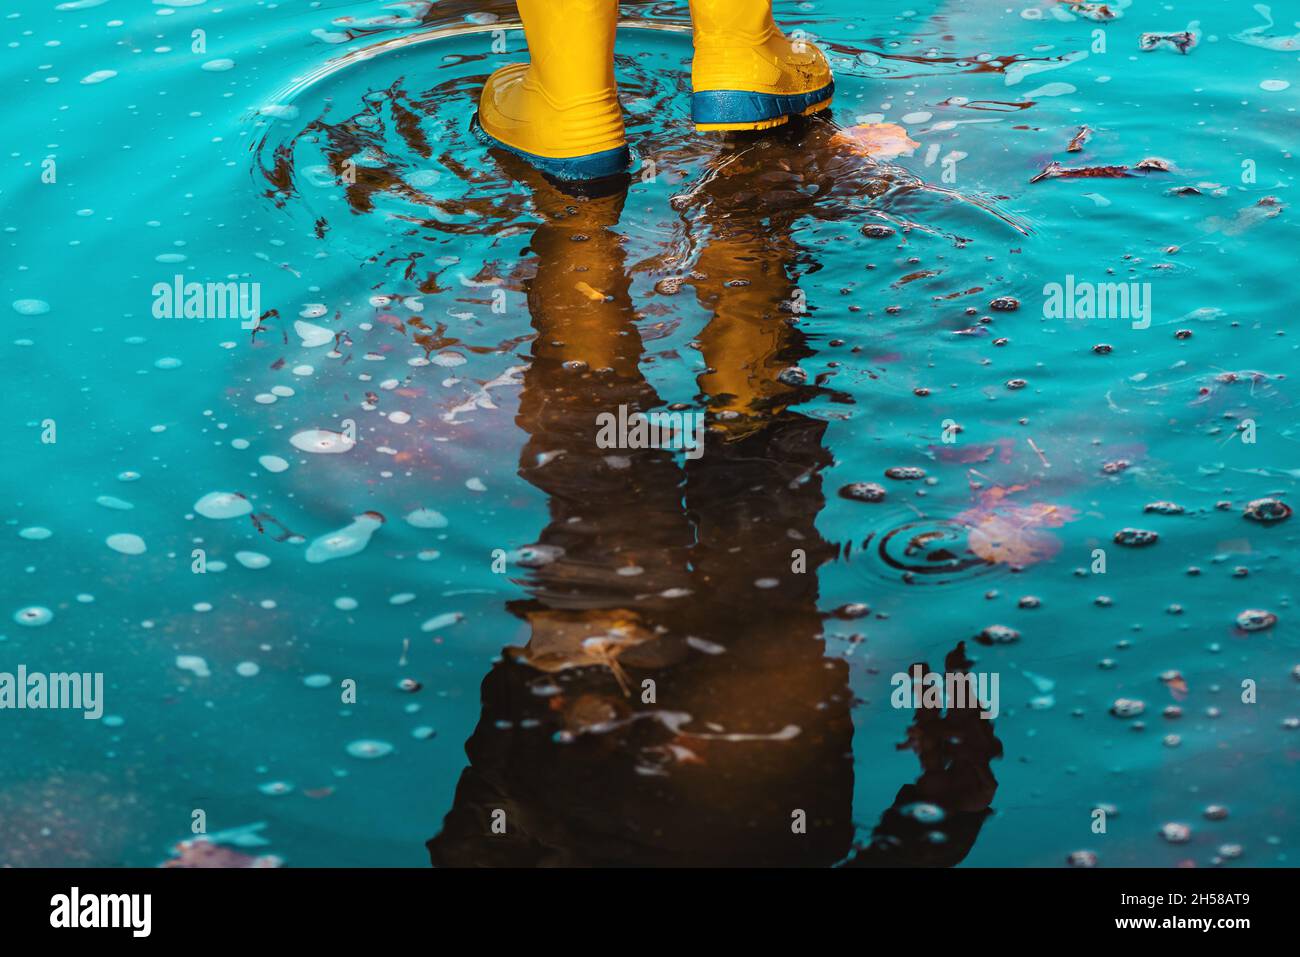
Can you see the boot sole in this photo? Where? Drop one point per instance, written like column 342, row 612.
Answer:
column 609, row 162
column 722, row 110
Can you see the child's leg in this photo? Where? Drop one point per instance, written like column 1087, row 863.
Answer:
column 561, row 111
column 747, row 75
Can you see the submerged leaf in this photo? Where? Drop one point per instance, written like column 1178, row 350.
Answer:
column 1011, row 534
column 878, row 140
column 562, row 640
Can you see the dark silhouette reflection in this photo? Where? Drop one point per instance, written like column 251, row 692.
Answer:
column 674, row 704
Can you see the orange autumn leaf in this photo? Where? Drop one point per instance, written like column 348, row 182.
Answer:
column 1012, row 534
column 595, row 295
column 882, row 141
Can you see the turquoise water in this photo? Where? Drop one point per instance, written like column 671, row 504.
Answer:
column 470, row 322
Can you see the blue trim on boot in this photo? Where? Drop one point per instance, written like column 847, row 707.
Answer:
column 742, row 106
column 609, row 162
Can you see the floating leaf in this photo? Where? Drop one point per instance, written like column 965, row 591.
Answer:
column 882, row 141
column 1182, row 42
column 1081, row 137
column 1055, row 170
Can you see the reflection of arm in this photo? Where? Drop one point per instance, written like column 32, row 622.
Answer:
column 954, row 750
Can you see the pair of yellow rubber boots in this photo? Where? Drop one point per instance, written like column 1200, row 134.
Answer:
column 561, row 111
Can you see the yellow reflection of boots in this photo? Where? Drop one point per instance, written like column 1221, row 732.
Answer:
column 561, row 111
column 747, row 75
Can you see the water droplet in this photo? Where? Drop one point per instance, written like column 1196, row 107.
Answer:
column 31, row 307
column 426, row 518
column 126, row 543
column 346, row 541
column 321, row 441
column 219, row 505
column 33, row 616
column 367, row 748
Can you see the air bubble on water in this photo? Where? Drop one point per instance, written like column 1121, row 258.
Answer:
column 1127, row 707
column 1082, row 859
column 368, row 748
column 346, row 541
column 475, row 485
column 1135, row 537
column 247, row 669
column 35, row 533
column 317, row 681
column 283, row 391
column 1215, row 812
column 401, row 598
column 193, row 664
column 31, row 307
column 426, row 518
column 273, row 463
column 126, row 543
column 344, row 603
column 1267, row 510
column 85, row 598
column 219, row 65
column 1274, row 86
column 99, row 76
column 275, row 788
column 423, row 732
column 303, row 370
column 863, row 492
column 1176, row 833
column 220, row 505
column 923, row 811
column 240, row 444
column 399, row 418
column 321, row 441
column 998, row 635
column 113, row 502
column 253, row 560
column 33, row 615
column 1256, row 619
column 128, row 476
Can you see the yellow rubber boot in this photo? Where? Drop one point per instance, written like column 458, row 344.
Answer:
column 747, row 75
column 561, row 111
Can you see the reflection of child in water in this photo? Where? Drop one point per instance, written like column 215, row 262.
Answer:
column 667, row 710
column 561, row 111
